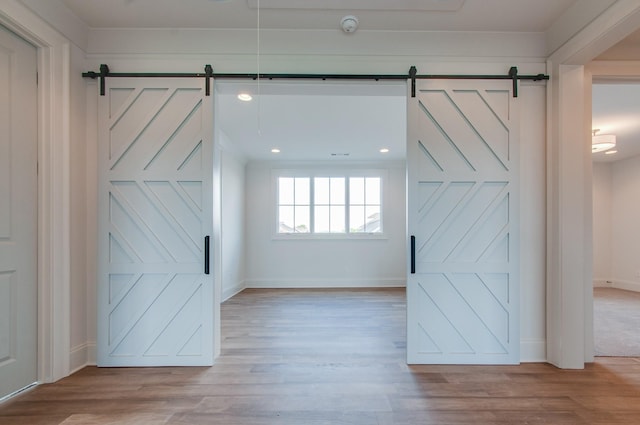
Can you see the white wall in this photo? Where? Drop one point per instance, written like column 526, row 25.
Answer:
column 616, row 228
column 602, row 208
column 274, row 262
column 625, row 226
column 233, row 224
column 431, row 52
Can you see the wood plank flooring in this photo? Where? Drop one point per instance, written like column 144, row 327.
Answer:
column 326, row 357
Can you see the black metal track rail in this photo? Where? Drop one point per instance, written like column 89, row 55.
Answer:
column 412, row 75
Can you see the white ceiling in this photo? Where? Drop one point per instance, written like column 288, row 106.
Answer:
column 315, row 120
column 333, row 118
column 394, row 15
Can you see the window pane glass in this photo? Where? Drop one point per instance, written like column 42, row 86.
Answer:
column 285, row 191
column 302, row 219
column 321, row 190
column 285, row 220
column 337, row 219
column 321, row 219
column 337, row 191
column 329, row 205
column 356, row 190
column 302, row 191
column 374, row 225
column 373, row 190
column 356, row 219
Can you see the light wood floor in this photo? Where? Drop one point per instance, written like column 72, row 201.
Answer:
column 326, row 357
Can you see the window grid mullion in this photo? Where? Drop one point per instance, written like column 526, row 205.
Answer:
column 329, row 204
column 295, row 180
column 347, row 205
column 312, row 204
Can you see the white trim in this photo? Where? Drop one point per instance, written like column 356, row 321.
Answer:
column 627, row 285
column 614, row 24
column 233, row 291
column 78, row 357
column 567, row 217
column 602, row 283
column 92, row 350
column 569, row 221
column 53, row 188
column 18, row 392
column 235, row 47
column 607, row 71
column 533, row 350
column 398, row 282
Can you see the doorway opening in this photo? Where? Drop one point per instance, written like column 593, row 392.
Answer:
column 326, row 130
column 616, row 181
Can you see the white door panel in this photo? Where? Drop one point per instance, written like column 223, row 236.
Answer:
column 462, row 160
column 18, row 213
column 155, row 209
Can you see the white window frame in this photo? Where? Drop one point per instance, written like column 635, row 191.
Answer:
column 332, row 172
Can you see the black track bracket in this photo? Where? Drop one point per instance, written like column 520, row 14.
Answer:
column 104, row 72
column 208, row 73
column 412, row 76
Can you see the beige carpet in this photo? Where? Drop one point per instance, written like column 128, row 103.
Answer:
column 616, row 322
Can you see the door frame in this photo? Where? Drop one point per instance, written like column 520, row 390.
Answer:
column 54, row 262
column 569, row 192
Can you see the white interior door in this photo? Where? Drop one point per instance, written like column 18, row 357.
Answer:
column 155, row 210
column 462, row 165
column 18, row 213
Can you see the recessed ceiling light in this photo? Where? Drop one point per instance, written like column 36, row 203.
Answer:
column 384, row 150
column 245, row 97
column 610, row 152
column 275, row 150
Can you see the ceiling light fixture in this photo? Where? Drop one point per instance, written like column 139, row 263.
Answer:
column 349, row 23
column 245, row 97
column 275, row 150
column 384, row 150
column 602, row 142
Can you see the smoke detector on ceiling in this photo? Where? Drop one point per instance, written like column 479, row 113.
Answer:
column 349, row 23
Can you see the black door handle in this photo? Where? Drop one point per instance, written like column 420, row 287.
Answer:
column 206, row 255
column 413, row 254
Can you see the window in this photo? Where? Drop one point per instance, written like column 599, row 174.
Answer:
column 364, row 205
column 330, row 204
column 293, row 205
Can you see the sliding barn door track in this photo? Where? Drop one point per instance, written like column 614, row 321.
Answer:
column 412, row 75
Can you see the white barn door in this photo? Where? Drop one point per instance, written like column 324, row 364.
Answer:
column 18, row 213
column 155, row 152
column 462, row 165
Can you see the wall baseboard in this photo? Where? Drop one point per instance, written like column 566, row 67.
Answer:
column 234, row 290
column 533, row 350
column 326, row 283
column 92, row 354
column 602, row 283
column 82, row 355
column 626, row 285
column 617, row 284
